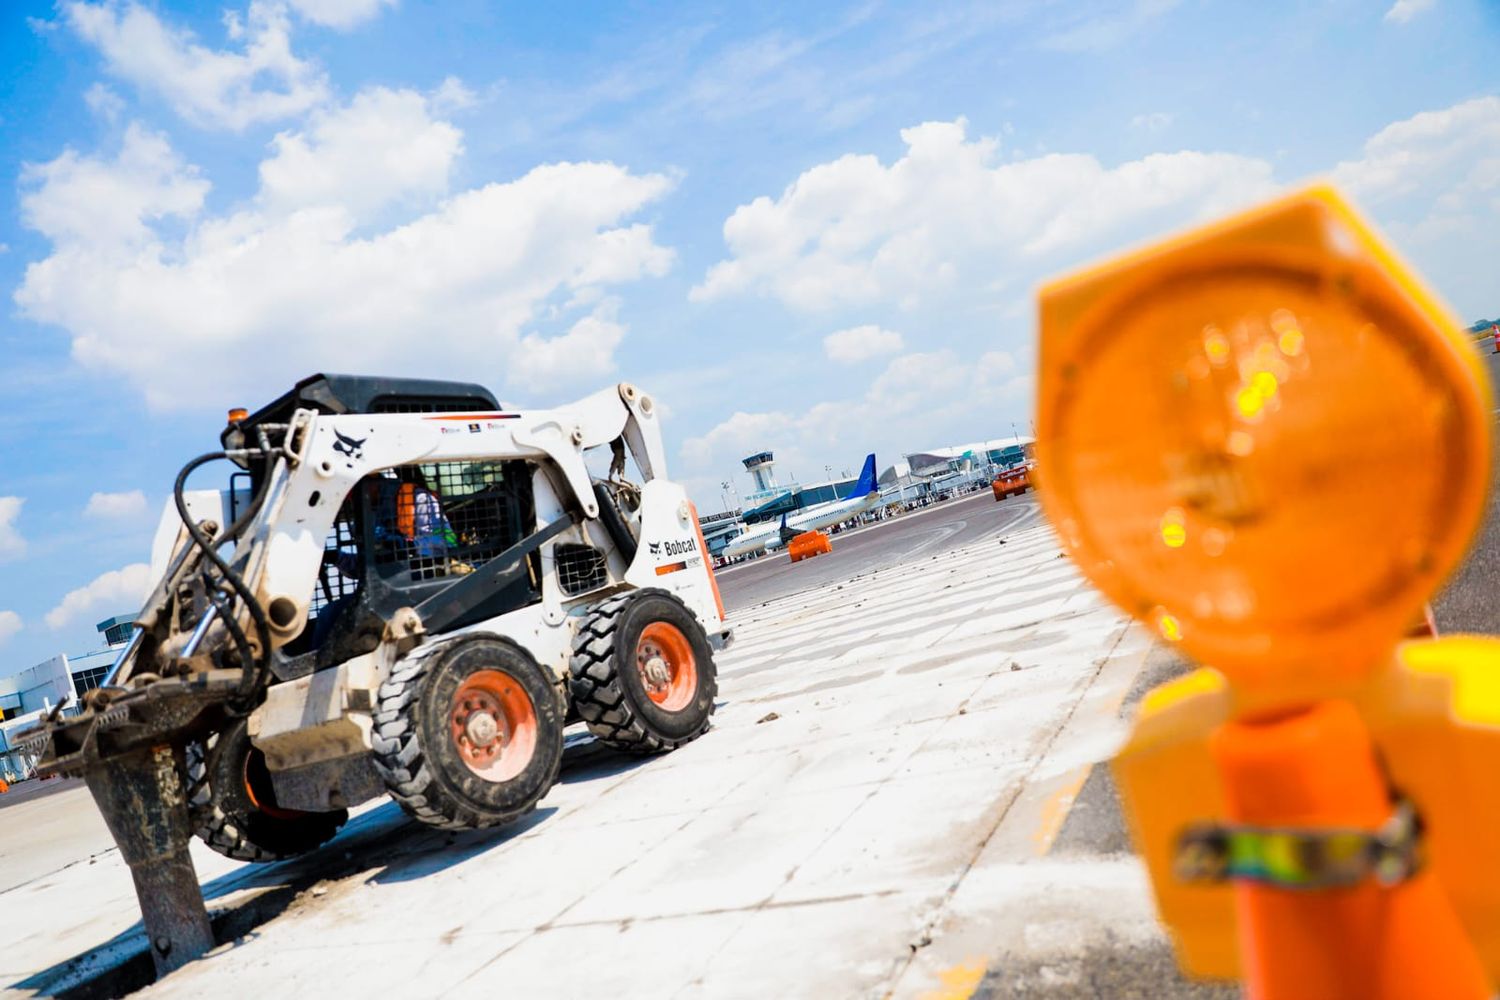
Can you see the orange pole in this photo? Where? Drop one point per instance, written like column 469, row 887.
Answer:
column 1424, row 627
column 1315, row 768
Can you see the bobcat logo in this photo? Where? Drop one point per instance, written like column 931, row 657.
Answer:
column 352, row 447
column 655, row 548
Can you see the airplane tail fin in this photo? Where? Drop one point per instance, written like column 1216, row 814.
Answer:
column 867, row 483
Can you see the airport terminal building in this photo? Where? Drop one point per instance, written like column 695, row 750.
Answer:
column 25, row 696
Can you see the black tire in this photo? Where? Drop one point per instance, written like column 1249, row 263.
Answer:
column 609, row 690
column 234, row 807
column 427, row 768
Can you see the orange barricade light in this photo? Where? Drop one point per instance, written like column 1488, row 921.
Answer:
column 1263, row 437
column 1268, row 442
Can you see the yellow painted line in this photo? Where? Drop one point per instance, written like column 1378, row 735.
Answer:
column 959, row 982
column 1055, row 810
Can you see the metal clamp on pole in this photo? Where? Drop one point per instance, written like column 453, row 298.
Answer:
column 1303, row 859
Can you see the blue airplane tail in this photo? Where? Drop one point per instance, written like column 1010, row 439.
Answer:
column 867, row 483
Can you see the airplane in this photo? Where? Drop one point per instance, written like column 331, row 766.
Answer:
column 865, row 496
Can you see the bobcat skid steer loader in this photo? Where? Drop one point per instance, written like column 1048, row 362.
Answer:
column 405, row 591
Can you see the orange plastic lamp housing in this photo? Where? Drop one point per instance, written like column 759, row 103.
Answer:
column 1264, row 438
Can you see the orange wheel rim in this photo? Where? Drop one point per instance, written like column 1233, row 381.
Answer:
column 668, row 669
column 494, row 726
column 257, row 788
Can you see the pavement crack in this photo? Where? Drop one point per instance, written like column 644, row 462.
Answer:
column 929, row 928
column 57, row 871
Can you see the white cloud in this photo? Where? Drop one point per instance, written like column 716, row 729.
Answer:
column 12, row 545
column 79, row 201
column 10, row 624
column 340, row 14
column 1433, row 181
column 381, row 147
column 451, row 95
column 1432, row 152
column 1156, row 121
column 1096, row 30
column 116, row 506
column 1404, row 10
column 104, row 102
column 585, row 353
column 950, row 216
column 739, row 432
column 311, row 275
column 860, row 343
column 263, row 81
column 118, row 591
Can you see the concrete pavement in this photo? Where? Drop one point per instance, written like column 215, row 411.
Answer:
column 891, row 758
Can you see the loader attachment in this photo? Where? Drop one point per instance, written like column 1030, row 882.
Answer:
column 129, row 751
column 144, row 802
column 200, row 657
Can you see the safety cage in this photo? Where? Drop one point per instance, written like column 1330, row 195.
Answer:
column 413, row 529
column 580, row 568
column 442, row 519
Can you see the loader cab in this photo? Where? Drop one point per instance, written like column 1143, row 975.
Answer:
column 406, row 533
column 421, row 527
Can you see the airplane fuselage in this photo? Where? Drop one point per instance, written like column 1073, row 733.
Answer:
column 769, row 535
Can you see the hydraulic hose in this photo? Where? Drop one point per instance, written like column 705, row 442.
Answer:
column 614, row 524
column 254, row 672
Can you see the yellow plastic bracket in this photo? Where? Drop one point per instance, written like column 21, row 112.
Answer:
column 1434, row 713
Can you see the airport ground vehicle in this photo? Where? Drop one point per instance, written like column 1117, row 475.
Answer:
column 1012, row 482
column 410, row 594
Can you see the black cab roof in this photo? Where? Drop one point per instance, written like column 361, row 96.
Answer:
column 374, row 394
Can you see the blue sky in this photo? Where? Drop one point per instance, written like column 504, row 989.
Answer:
column 813, row 228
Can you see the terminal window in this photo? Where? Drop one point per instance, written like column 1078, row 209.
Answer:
column 87, row 680
column 116, row 634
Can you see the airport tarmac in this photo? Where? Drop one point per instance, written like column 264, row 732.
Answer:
column 925, row 531
column 1470, row 602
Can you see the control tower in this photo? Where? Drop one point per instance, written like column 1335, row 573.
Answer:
column 759, row 466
